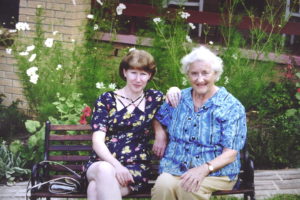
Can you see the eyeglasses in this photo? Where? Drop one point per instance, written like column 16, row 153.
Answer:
column 196, row 75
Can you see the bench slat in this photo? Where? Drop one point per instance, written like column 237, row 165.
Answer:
column 73, row 127
column 86, row 137
column 68, row 158
column 234, row 191
column 70, row 148
column 59, row 168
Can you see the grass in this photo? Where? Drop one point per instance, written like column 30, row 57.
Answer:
column 276, row 197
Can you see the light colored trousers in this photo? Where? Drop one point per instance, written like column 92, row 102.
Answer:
column 167, row 187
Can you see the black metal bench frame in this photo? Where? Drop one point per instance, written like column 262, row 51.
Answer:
column 67, row 146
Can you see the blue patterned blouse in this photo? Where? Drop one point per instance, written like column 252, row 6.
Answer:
column 198, row 137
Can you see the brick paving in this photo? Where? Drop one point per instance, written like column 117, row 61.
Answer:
column 267, row 184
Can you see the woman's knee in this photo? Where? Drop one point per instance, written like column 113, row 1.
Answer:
column 100, row 169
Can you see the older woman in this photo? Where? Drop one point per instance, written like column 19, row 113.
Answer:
column 206, row 131
column 122, row 122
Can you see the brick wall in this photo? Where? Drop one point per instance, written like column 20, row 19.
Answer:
column 65, row 16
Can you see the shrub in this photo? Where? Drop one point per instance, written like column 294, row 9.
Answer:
column 273, row 133
column 11, row 165
column 11, row 120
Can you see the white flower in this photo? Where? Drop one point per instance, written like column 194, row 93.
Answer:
column 22, row 26
column 96, row 27
column 59, row 66
column 39, row 6
column 100, row 85
column 34, row 78
column 72, row 40
column 100, row 2
column 54, row 32
column 157, row 20
column 184, row 81
column 30, row 48
column 32, row 57
column 1, row 31
column 24, row 53
column 8, row 51
column 49, row 42
column 226, row 80
column 31, row 71
column 211, row 42
column 192, row 25
column 132, row 49
column 120, row 9
column 188, row 39
column 234, row 56
column 112, row 86
column 12, row 30
column 184, row 15
column 90, row 16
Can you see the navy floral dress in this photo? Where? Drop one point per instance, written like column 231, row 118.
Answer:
column 127, row 134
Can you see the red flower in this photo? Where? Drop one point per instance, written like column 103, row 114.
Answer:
column 289, row 66
column 298, row 90
column 87, row 111
column 83, row 119
column 288, row 75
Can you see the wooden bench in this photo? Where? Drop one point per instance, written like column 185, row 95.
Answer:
column 71, row 145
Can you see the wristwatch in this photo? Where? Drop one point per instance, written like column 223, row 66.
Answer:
column 210, row 167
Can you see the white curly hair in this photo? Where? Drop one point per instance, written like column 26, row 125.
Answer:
column 205, row 55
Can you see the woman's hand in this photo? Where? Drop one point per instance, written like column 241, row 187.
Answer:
column 160, row 144
column 123, row 175
column 192, row 179
column 161, row 139
column 173, row 96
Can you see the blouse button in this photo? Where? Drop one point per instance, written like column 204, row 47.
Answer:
column 197, row 156
column 189, row 118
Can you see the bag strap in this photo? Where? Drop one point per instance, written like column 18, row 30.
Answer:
column 67, row 168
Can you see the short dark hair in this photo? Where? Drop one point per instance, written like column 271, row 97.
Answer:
column 138, row 59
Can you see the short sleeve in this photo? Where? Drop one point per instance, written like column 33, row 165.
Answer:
column 164, row 114
column 100, row 114
column 234, row 128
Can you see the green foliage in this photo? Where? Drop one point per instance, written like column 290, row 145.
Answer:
column 11, row 165
column 285, row 197
column 56, row 68
column 99, row 62
column 69, row 109
column 11, row 119
column 273, row 133
column 32, row 150
column 239, row 72
column 171, row 43
column 243, row 76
